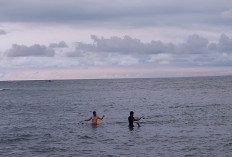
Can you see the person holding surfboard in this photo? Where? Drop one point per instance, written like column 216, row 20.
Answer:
column 131, row 119
column 94, row 118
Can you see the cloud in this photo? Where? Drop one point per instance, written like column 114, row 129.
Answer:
column 31, row 51
column 225, row 44
column 126, row 51
column 124, row 46
column 116, row 13
column 196, row 50
column 61, row 44
column 161, row 58
column 2, row 32
column 156, row 33
column 227, row 13
column 194, row 44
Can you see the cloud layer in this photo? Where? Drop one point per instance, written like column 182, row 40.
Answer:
column 61, row 44
column 56, row 34
column 195, row 44
column 125, row 45
column 134, row 13
column 31, row 51
column 2, row 32
column 195, row 51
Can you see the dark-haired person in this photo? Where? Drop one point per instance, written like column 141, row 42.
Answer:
column 131, row 119
column 94, row 118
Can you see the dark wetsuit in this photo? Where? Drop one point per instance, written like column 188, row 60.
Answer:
column 131, row 121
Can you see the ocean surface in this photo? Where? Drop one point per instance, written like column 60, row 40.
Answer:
column 182, row 117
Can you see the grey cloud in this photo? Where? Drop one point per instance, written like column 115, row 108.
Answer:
column 197, row 41
column 61, row 44
column 76, row 53
column 225, row 44
column 125, row 45
column 196, row 50
column 121, row 12
column 31, row 51
column 194, row 44
column 2, row 32
column 227, row 13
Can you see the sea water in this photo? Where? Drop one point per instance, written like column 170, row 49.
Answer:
column 182, row 117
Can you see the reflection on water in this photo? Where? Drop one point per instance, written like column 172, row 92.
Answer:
column 131, row 128
column 94, row 126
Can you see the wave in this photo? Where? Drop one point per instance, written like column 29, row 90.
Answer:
column 3, row 89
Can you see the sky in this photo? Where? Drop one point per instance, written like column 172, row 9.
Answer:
column 98, row 39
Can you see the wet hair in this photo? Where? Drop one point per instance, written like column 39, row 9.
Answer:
column 131, row 112
column 94, row 112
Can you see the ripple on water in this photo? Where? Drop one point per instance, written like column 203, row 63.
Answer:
column 183, row 117
column 13, row 139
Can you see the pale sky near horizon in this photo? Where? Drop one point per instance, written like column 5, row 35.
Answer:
column 92, row 39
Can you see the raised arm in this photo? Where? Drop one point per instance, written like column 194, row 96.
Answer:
column 137, row 119
column 101, row 117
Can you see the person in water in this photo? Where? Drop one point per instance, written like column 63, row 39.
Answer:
column 94, row 118
column 131, row 119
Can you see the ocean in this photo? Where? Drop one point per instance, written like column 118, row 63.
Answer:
column 182, row 117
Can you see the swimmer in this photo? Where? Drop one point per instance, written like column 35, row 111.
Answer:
column 131, row 119
column 94, row 118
